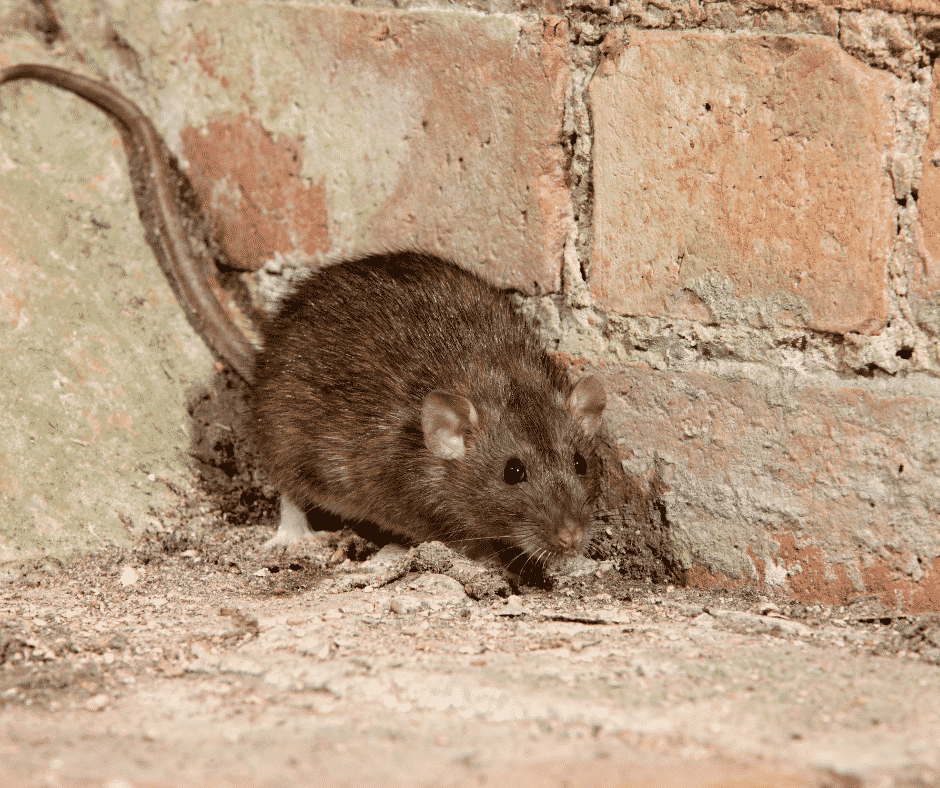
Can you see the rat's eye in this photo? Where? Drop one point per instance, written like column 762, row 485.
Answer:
column 580, row 464
column 514, row 472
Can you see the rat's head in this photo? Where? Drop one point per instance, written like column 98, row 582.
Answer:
column 523, row 471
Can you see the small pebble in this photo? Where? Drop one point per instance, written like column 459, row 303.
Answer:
column 404, row 605
column 97, row 702
column 513, row 607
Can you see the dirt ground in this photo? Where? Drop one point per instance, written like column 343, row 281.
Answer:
column 197, row 658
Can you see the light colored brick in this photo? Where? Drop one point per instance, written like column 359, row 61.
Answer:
column 821, row 492
column 748, row 170
column 96, row 357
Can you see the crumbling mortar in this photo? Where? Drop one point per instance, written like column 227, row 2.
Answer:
column 902, row 347
column 908, row 337
column 884, row 41
column 578, row 129
column 593, row 18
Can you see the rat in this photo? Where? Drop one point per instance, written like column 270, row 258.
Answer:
column 396, row 388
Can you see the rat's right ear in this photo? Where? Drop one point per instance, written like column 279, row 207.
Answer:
column 587, row 402
column 445, row 419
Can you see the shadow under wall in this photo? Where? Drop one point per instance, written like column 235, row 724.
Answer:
column 634, row 530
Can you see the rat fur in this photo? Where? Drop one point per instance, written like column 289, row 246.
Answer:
column 404, row 390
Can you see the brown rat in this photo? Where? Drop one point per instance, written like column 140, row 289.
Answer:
column 397, row 388
column 406, row 391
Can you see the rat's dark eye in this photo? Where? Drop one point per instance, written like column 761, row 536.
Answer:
column 514, row 472
column 580, row 464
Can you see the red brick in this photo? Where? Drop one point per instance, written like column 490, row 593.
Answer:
column 430, row 130
column 251, row 187
column 747, row 169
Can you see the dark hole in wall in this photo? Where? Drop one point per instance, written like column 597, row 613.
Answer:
column 634, row 528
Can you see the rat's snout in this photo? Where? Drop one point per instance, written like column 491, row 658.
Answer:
column 569, row 534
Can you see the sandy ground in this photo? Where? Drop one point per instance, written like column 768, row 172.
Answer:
column 197, row 658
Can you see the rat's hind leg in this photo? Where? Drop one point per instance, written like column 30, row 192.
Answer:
column 293, row 526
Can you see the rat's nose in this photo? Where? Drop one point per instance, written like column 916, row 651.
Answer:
column 569, row 534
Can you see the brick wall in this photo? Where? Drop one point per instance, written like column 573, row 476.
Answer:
column 731, row 212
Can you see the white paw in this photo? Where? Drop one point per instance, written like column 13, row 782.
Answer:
column 284, row 539
column 293, row 527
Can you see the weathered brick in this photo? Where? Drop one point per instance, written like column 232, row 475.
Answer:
column 881, row 39
column 252, row 189
column 97, row 361
column 822, row 492
column 749, row 170
column 430, row 130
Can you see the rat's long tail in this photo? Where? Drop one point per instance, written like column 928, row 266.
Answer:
column 193, row 282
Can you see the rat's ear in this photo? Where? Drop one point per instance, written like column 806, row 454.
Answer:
column 587, row 402
column 445, row 419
